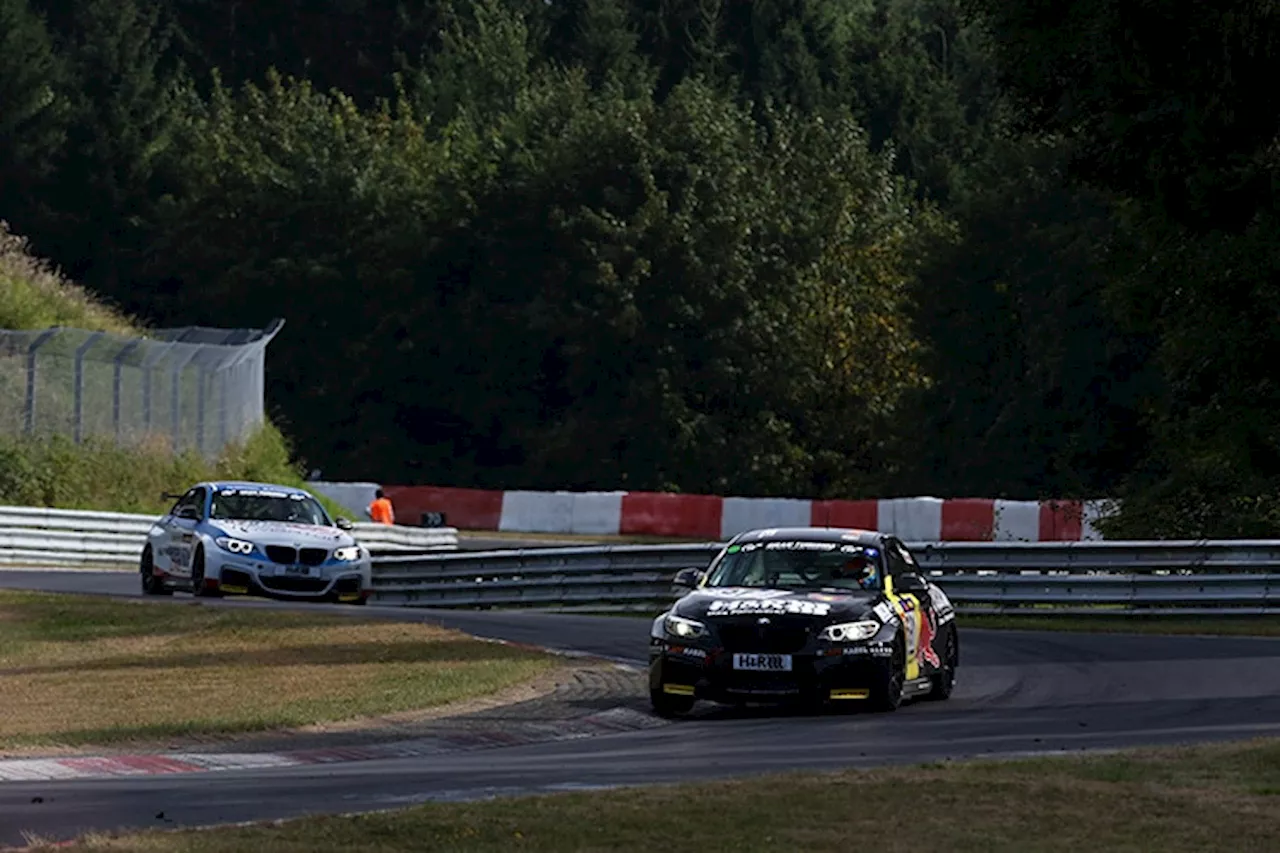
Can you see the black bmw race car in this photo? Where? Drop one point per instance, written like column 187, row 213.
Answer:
column 813, row 615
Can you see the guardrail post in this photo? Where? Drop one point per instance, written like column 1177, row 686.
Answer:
column 31, row 375
column 79, row 389
column 117, row 368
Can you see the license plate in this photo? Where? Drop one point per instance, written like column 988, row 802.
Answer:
column 762, row 663
column 297, row 570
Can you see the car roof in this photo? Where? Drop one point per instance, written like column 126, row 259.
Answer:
column 220, row 485
column 811, row 534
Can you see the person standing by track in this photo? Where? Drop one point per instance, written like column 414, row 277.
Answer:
column 381, row 511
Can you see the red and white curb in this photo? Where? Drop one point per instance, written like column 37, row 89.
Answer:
column 612, row 721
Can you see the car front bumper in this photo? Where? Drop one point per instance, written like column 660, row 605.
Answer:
column 234, row 574
column 836, row 673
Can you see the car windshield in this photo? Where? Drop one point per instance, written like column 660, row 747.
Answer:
column 262, row 505
column 798, row 564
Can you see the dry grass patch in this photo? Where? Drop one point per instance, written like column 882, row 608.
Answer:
column 33, row 295
column 79, row 670
column 1209, row 798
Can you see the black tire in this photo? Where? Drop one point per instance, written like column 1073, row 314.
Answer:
column 151, row 585
column 197, row 575
column 669, row 705
column 944, row 682
column 886, row 695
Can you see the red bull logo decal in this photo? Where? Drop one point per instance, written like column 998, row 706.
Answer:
column 928, row 630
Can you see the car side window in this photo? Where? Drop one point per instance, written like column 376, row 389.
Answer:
column 893, row 552
column 191, row 501
column 907, row 558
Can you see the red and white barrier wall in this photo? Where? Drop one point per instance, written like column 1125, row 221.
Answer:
column 715, row 518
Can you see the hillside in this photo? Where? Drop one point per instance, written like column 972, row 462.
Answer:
column 34, row 296
column 55, row 471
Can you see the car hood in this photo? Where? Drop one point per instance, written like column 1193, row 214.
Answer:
column 284, row 533
column 713, row 604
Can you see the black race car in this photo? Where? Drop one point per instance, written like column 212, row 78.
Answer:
column 814, row 615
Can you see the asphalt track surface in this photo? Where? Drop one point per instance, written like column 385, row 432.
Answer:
column 1018, row 693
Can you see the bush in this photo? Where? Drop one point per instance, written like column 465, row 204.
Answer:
column 97, row 475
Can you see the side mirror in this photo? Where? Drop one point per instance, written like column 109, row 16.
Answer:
column 912, row 583
column 343, row 524
column 687, row 578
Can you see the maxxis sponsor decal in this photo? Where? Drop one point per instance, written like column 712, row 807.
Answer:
column 746, row 593
column 789, row 606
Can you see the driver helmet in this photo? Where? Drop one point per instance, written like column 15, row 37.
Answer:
column 861, row 568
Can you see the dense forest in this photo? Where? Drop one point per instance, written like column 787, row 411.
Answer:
column 762, row 247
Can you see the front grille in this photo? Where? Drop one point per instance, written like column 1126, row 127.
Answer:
column 282, row 554
column 312, row 556
column 779, row 637
column 741, row 682
column 294, row 584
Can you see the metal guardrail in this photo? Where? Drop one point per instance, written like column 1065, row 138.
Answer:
column 40, row 537
column 1059, row 578
column 421, row 567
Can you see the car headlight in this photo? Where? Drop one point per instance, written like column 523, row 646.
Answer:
column 685, row 629
column 347, row 555
column 850, row 632
column 235, row 546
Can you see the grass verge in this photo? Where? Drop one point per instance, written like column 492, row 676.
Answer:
column 80, row 670
column 1194, row 799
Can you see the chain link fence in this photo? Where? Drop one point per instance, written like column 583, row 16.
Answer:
column 198, row 388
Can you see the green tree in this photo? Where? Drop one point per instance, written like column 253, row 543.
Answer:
column 295, row 203
column 599, row 37
column 34, row 113
column 33, row 91
column 486, row 56
column 1160, row 98
column 1037, row 390
column 584, row 288
column 670, row 295
column 1162, row 108
column 122, row 109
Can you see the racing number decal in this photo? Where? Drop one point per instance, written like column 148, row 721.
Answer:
column 908, row 612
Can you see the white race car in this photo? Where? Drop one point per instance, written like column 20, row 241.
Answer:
column 254, row 538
